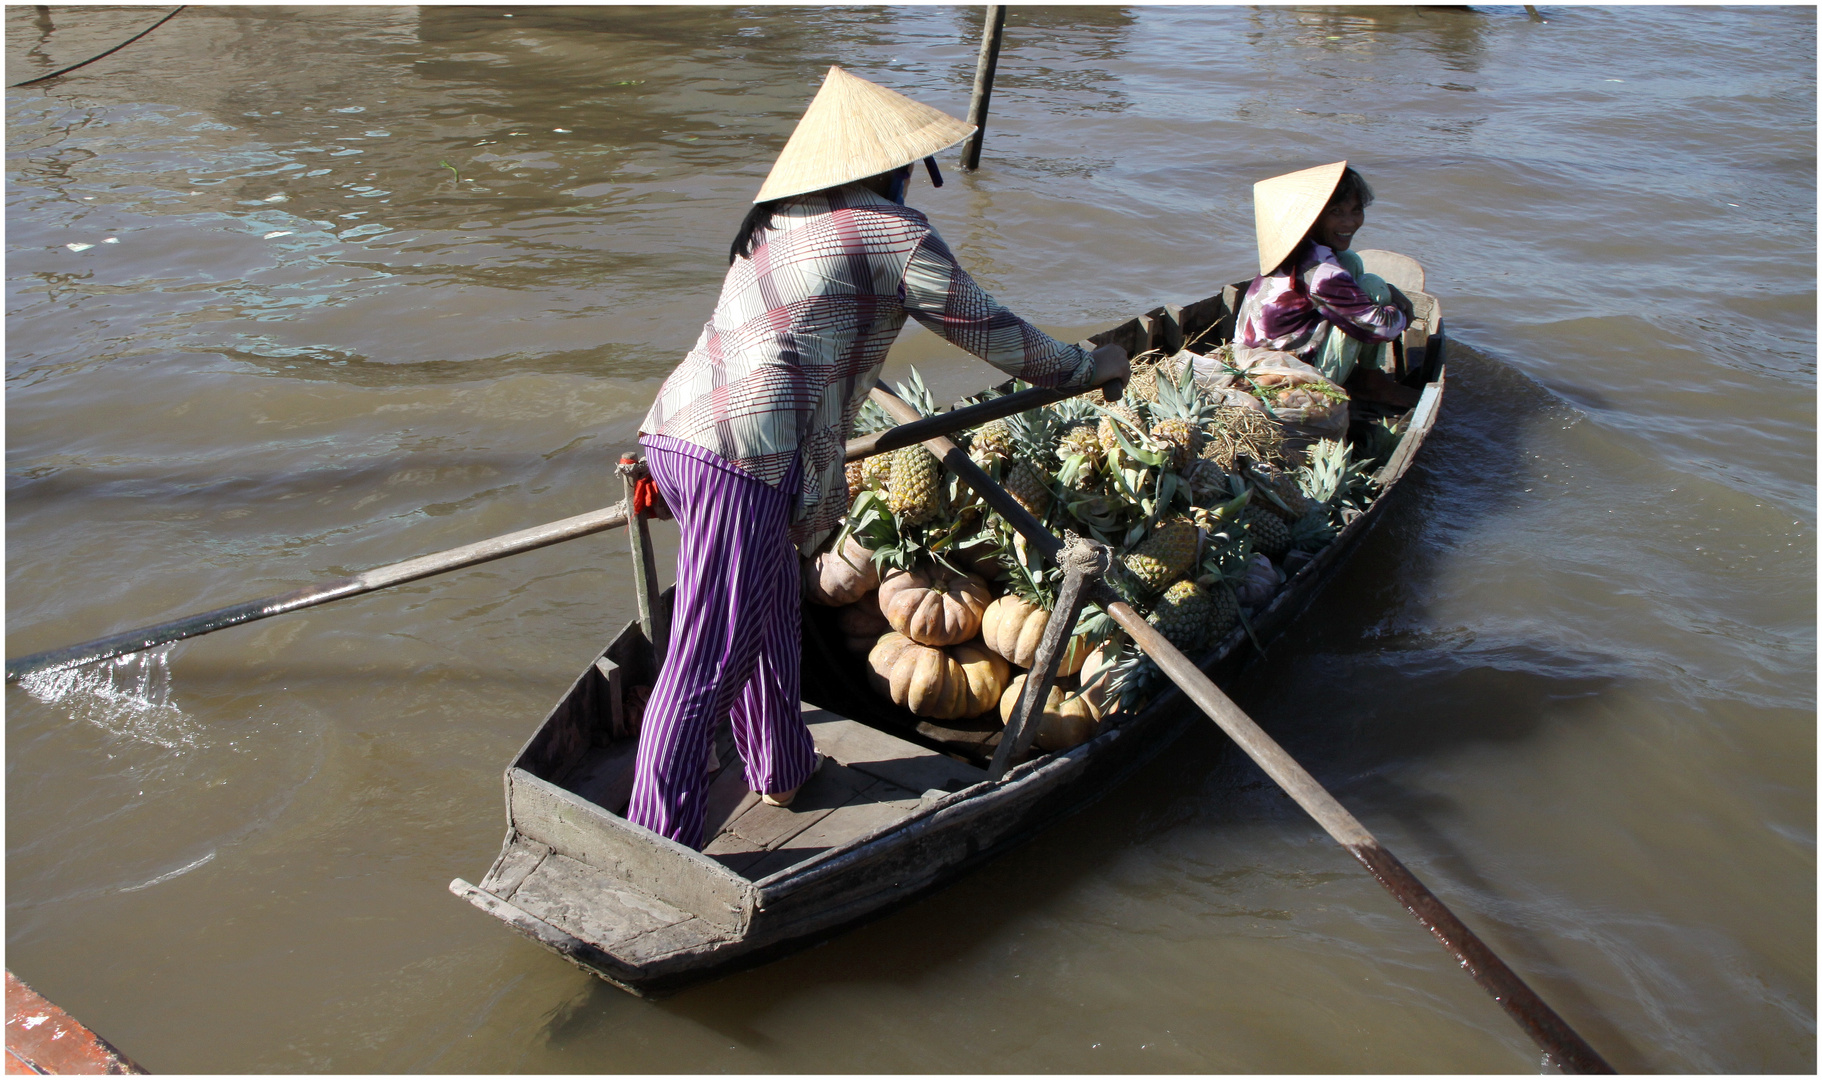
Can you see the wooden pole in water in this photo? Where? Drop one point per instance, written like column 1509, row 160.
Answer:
column 1550, row 1031
column 991, row 32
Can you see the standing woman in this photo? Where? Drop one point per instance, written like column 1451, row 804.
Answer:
column 746, row 440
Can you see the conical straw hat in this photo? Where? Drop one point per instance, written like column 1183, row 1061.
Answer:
column 1285, row 207
column 855, row 129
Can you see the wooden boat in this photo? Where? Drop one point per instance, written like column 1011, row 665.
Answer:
column 43, row 1039
column 899, row 808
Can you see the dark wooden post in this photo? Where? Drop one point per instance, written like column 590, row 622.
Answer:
column 653, row 622
column 1083, row 565
column 983, row 84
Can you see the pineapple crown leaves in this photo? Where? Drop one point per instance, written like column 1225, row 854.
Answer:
column 872, row 524
column 1313, row 531
column 1134, row 678
column 871, row 418
column 917, row 394
column 1035, row 432
column 1270, row 496
column 1070, row 410
column 1381, row 439
column 1332, row 475
column 1180, row 397
column 1034, row 586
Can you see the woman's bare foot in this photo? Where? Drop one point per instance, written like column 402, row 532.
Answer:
column 783, row 798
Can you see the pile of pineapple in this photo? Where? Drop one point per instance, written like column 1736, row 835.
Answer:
column 1207, row 515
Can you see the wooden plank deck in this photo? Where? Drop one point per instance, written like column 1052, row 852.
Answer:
column 869, row 781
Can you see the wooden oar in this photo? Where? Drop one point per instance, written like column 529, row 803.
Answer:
column 423, row 566
column 1550, row 1031
column 498, row 547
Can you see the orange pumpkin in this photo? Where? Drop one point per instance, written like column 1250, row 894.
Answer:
column 932, row 605
column 842, row 574
column 1012, row 627
column 1063, row 725
column 942, row 684
column 1096, row 674
column 862, row 623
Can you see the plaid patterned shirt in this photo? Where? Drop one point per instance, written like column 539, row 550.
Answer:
column 802, row 327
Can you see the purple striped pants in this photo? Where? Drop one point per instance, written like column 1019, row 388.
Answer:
column 735, row 641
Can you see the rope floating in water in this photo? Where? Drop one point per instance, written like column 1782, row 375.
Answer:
column 110, row 52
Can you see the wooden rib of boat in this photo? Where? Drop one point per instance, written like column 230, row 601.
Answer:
column 899, row 808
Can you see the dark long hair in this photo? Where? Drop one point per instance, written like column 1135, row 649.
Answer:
column 1352, row 183
column 758, row 220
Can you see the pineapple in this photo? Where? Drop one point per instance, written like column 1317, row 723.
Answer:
column 1208, row 485
column 1080, row 454
column 913, row 493
column 856, row 480
column 1165, row 555
column 1289, row 503
column 1029, row 486
column 1271, row 537
column 1181, row 412
column 1110, row 442
column 1191, row 617
column 1182, row 615
column 992, row 442
column 875, row 471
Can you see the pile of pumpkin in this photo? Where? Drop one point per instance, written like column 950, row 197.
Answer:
column 938, row 642
column 1206, row 511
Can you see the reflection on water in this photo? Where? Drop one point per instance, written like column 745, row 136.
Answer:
column 389, row 280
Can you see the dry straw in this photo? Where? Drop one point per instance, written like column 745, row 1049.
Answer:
column 855, row 129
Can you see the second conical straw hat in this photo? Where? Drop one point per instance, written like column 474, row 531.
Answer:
column 855, row 129
column 1285, row 207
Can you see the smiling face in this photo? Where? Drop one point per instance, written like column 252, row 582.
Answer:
column 1339, row 222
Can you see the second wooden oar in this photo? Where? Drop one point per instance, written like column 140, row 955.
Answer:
column 1551, row 1032
column 423, row 566
column 919, row 429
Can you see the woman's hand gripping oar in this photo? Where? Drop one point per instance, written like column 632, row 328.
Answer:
column 1568, row 1049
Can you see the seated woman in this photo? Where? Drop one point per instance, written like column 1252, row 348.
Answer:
column 1313, row 299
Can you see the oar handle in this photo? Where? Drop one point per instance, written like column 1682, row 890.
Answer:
column 423, row 566
column 923, row 428
column 1550, row 1031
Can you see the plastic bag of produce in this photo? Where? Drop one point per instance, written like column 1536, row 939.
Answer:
column 1307, row 406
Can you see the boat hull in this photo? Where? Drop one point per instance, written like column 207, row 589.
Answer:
column 891, row 817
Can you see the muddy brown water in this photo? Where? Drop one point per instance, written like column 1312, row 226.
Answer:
column 1570, row 679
